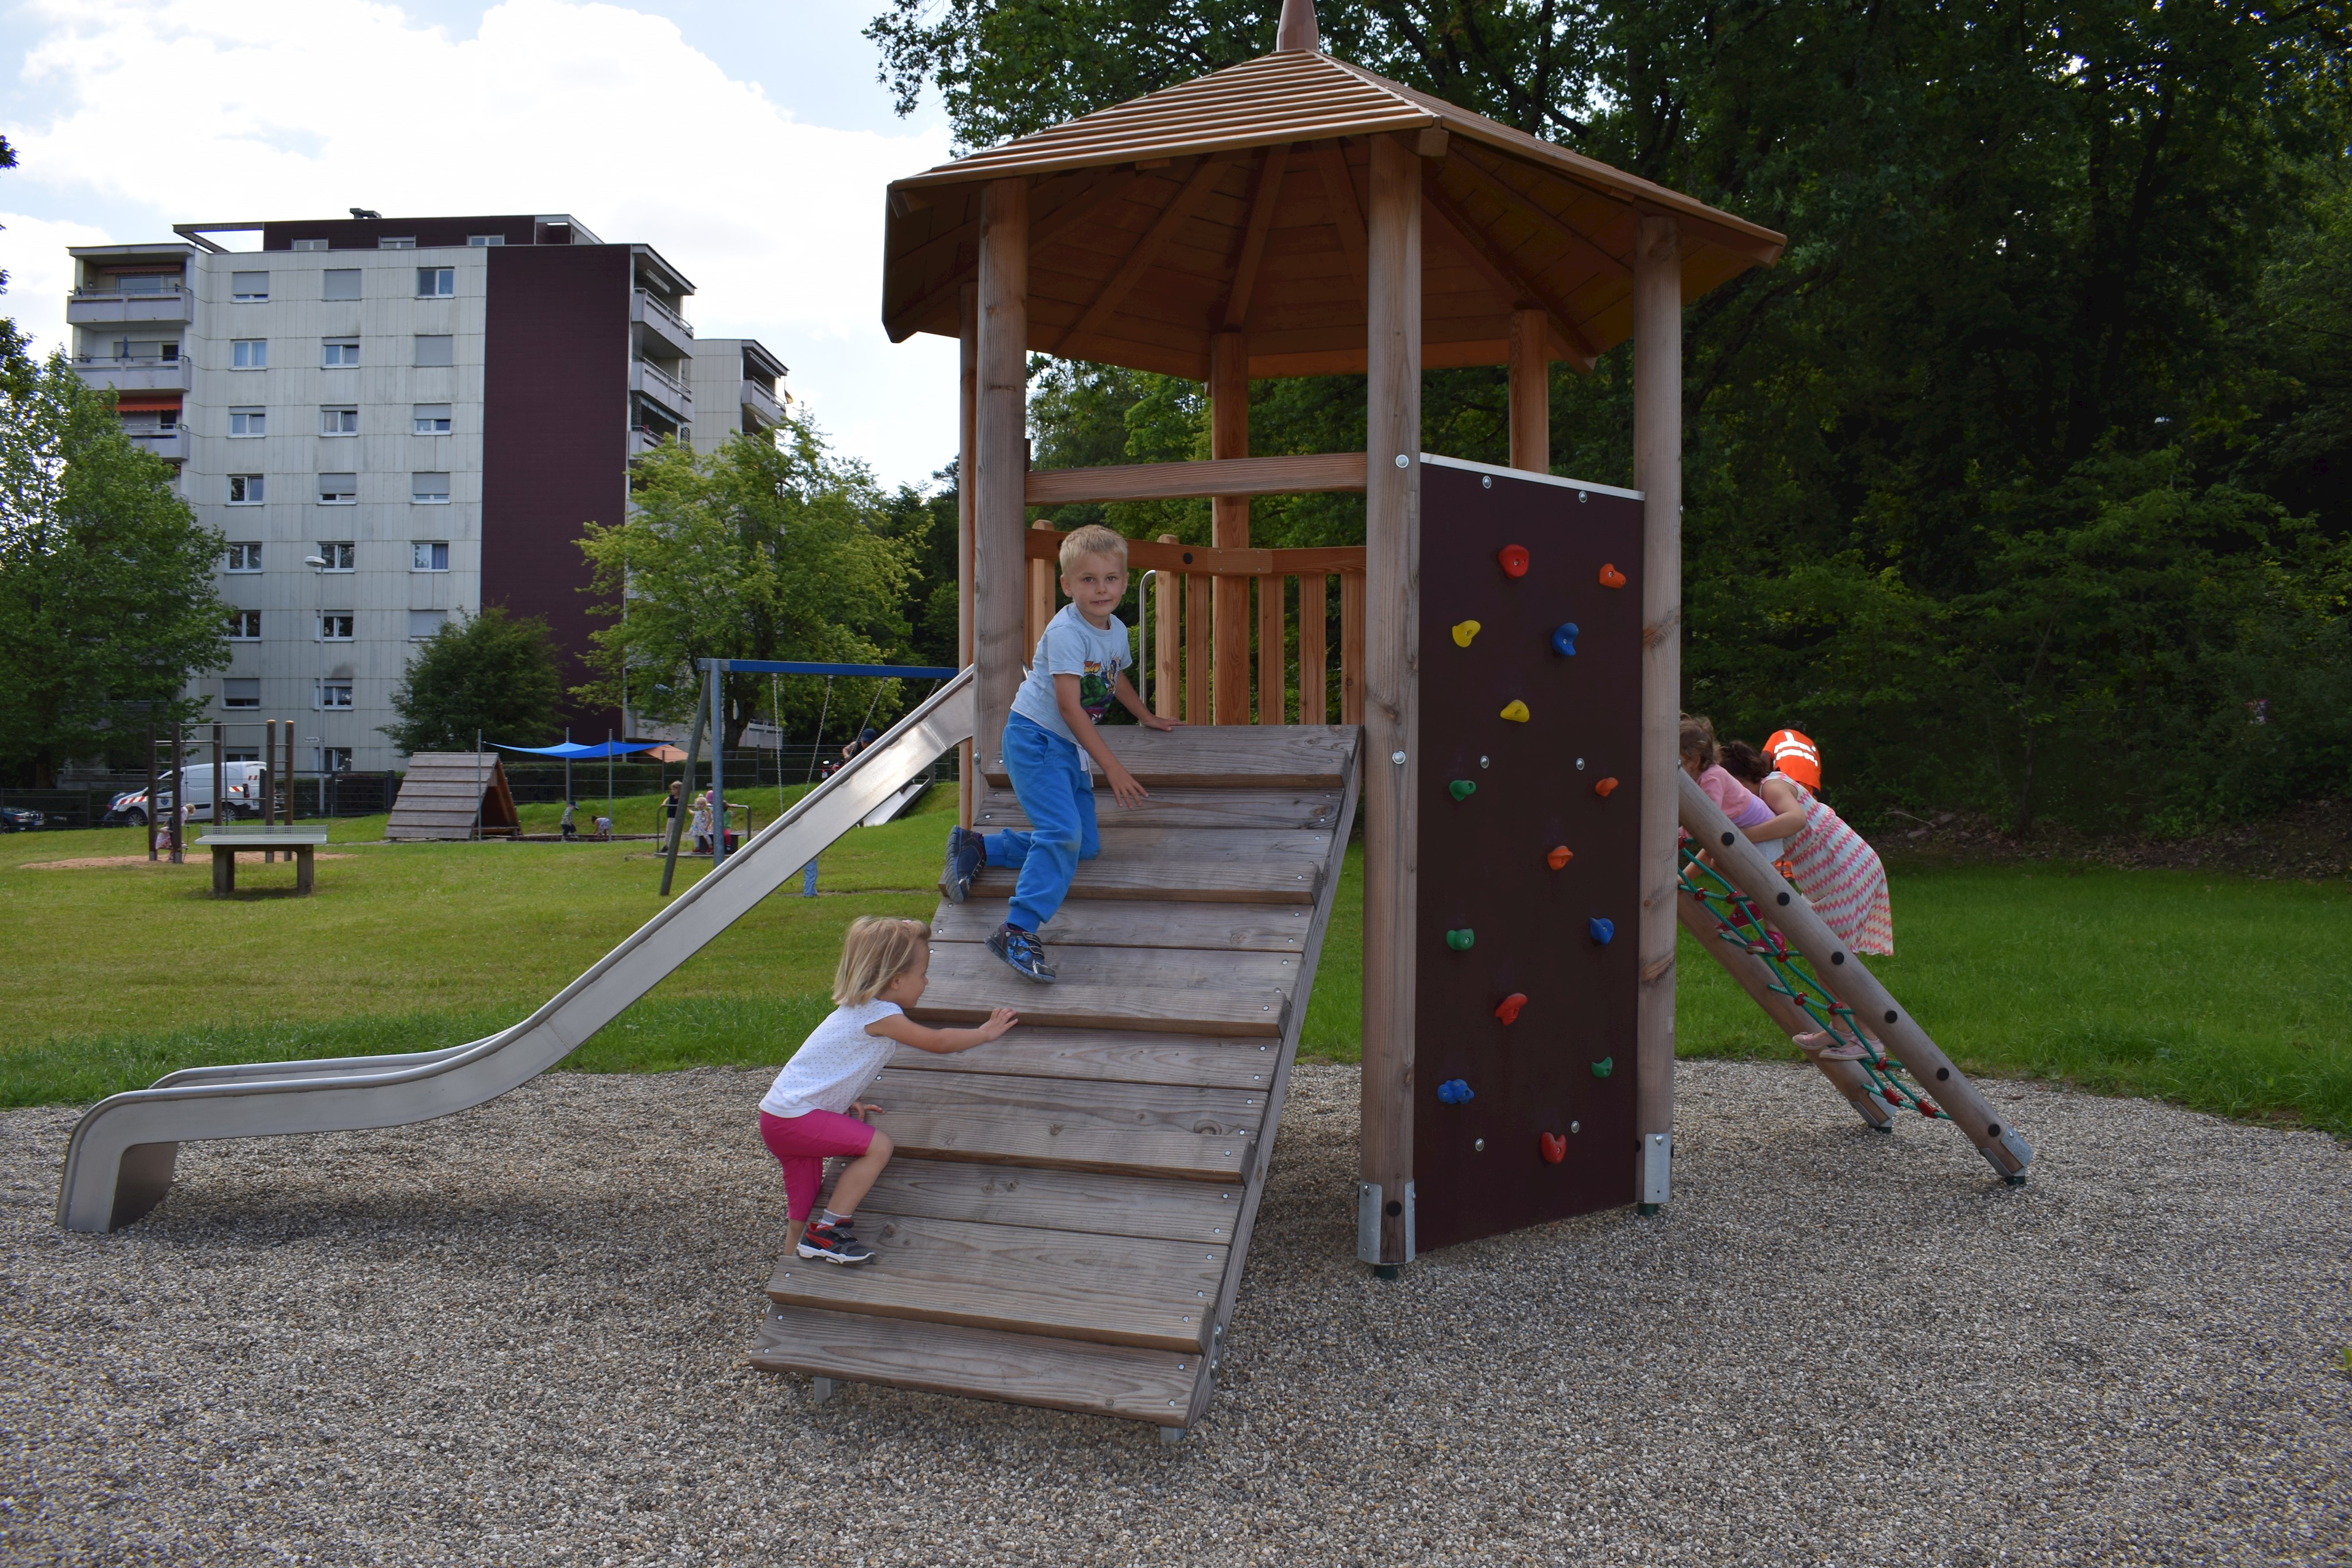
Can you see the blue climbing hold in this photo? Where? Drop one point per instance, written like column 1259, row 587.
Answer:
column 1603, row 930
column 1563, row 638
column 1455, row 1091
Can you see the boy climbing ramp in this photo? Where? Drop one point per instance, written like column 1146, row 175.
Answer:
column 1079, row 668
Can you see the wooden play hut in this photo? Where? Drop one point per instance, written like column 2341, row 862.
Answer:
column 454, row 794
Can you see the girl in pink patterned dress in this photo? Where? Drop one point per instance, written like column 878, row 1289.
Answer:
column 1833, row 866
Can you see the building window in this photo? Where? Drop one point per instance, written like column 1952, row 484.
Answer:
column 335, row 353
column 309, row 245
column 246, row 489
column 429, row 419
column 436, row 282
column 334, row 628
column 486, row 239
column 338, row 489
column 245, row 693
column 249, row 288
column 429, row 555
column 342, row 283
column 340, row 555
column 429, row 489
column 244, row 557
column 390, row 242
column 423, row 623
column 244, row 625
column 335, row 694
column 338, row 421
column 248, row 422
column 334, row 759
column 436, row 349
column 249, row 354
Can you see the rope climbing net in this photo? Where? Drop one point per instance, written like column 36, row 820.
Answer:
column 1738, row 922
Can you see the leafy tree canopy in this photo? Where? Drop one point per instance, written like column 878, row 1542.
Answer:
column 490, row 677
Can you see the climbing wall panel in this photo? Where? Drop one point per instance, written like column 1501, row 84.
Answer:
column 1525, row 1114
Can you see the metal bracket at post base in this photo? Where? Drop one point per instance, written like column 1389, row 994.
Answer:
column 1370, row 1208
column 2019, row 1153
column 1657, row 1170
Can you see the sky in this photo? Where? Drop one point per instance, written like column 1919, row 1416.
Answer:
column 750, row 144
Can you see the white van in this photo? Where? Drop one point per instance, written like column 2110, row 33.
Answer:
column 242, row 784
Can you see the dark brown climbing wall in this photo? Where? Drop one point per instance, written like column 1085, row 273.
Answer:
column 1483, row 857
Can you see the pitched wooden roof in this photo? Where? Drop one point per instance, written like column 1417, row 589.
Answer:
column 1236, row 202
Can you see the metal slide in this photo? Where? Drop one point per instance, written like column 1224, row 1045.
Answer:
column 118, row 1163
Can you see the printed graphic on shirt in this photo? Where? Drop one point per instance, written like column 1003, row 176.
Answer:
column 1094, row 690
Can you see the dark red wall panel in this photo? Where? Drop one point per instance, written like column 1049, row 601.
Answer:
column 554, row 434
column 362, row 233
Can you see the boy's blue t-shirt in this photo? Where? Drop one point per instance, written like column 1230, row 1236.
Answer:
column 1072, row 647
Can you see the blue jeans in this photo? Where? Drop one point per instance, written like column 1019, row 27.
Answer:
column 1058, row 795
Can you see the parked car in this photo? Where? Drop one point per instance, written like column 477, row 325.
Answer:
column 19, row 820
column 241, row 788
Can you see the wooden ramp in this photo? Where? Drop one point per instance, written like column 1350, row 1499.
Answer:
column 446, row 794
column 1069, row 1213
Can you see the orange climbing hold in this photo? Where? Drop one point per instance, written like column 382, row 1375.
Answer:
column 1508, row 1010
column 1602, row 787
column 1514, row 559
column 1559, row 856
column 1610, row 576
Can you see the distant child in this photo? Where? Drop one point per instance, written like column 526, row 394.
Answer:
column 699, row 825
column 604, row 830
column 1079, row 667
column 570, row 827
column 812, row 1111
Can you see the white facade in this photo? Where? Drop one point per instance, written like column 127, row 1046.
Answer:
column 738, row 387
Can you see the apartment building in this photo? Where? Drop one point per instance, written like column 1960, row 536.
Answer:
column 739, row 386
column 397, row 421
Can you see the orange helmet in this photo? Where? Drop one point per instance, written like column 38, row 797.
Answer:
column 1793, row 754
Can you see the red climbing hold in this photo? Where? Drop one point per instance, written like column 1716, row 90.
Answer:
column 1610, row 576
column 1508, row 1009
column 1559, row 856
column 1555, row 1147
column 1602, row 787
column 1515, row 560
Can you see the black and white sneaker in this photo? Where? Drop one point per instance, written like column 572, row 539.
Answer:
column 834, row 1244
column 1022, row 950
column 966, row 855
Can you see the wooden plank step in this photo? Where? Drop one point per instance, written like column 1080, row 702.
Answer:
column 1167, row 991
column 1067, row 1284
column 1219, row 756
column 1137, row 1384
column 1098, row 1202
column 1110, row 1056
column 1135, row 1129
column 1185, row 806
column 1178, row 865
column 1140, row 923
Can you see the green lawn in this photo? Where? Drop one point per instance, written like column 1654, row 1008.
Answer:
column 2228, row 995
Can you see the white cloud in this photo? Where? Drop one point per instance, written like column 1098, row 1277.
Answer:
column 39, row 272
column 277, row 109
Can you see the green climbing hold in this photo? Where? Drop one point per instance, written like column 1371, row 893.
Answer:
column 1460, row 941
column 1604, row 1067
column 1462, row 789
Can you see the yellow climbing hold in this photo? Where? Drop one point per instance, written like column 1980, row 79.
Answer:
column 1463, row 632
column 1516, row 712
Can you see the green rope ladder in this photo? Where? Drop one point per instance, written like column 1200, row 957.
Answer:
column 1738, row 922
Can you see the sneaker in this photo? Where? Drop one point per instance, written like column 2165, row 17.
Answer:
column 834, row 1244
column 1022, row 950
column 966, row 855
column 1828, row 1047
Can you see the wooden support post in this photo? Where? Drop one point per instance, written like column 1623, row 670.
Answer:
column 1164, row 680
column 1391, row 683
column 1314, row 657
column 1658, row 475
column 1530, row 392
column 967, row 415
column 1000, row 452
column 1230, row 527
column 1038, row 607
column 1351, row 647
column 1271, row 663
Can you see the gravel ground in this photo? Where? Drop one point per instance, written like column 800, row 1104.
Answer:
column 517, row 1336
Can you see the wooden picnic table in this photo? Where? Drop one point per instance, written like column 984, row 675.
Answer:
column 225, row 843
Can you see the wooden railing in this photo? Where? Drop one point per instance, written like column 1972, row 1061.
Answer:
column 1290, row 624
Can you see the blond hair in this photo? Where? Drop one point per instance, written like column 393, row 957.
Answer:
column 1092, row 539
column 876, row 951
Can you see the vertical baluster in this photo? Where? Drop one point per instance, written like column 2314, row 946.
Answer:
column 1198, row 709
column 1313, row 698
column 1351, row 647
column 1164, row 688
column 1040, row 608
column 1271, row 661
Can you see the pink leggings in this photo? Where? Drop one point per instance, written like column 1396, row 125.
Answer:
column 800, row 1144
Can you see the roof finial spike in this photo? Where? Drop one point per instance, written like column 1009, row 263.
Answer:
column 1297, row 35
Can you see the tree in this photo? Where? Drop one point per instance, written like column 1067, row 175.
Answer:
column 490, row 677
column 767, row 548
column 107, row 600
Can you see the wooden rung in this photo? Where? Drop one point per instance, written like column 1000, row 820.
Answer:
column 1142, row 922
column 1184, row 805
column 1065, row 1284
column 1135, row 1384
column 1100, row 1203
column 1219, row 756
column 1135, row 1129
column 1167, row 975
column 968, row 983
column 1110, row 1056
column 1218, row 881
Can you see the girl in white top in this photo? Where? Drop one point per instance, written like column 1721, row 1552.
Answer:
column 813, row 1110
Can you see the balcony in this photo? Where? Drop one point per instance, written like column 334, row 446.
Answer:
column 650, row 382
column 644, row 438
column 651, row 319
column 171, row 446
column 762, row 404
column 113, row 308
column 133, row 375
